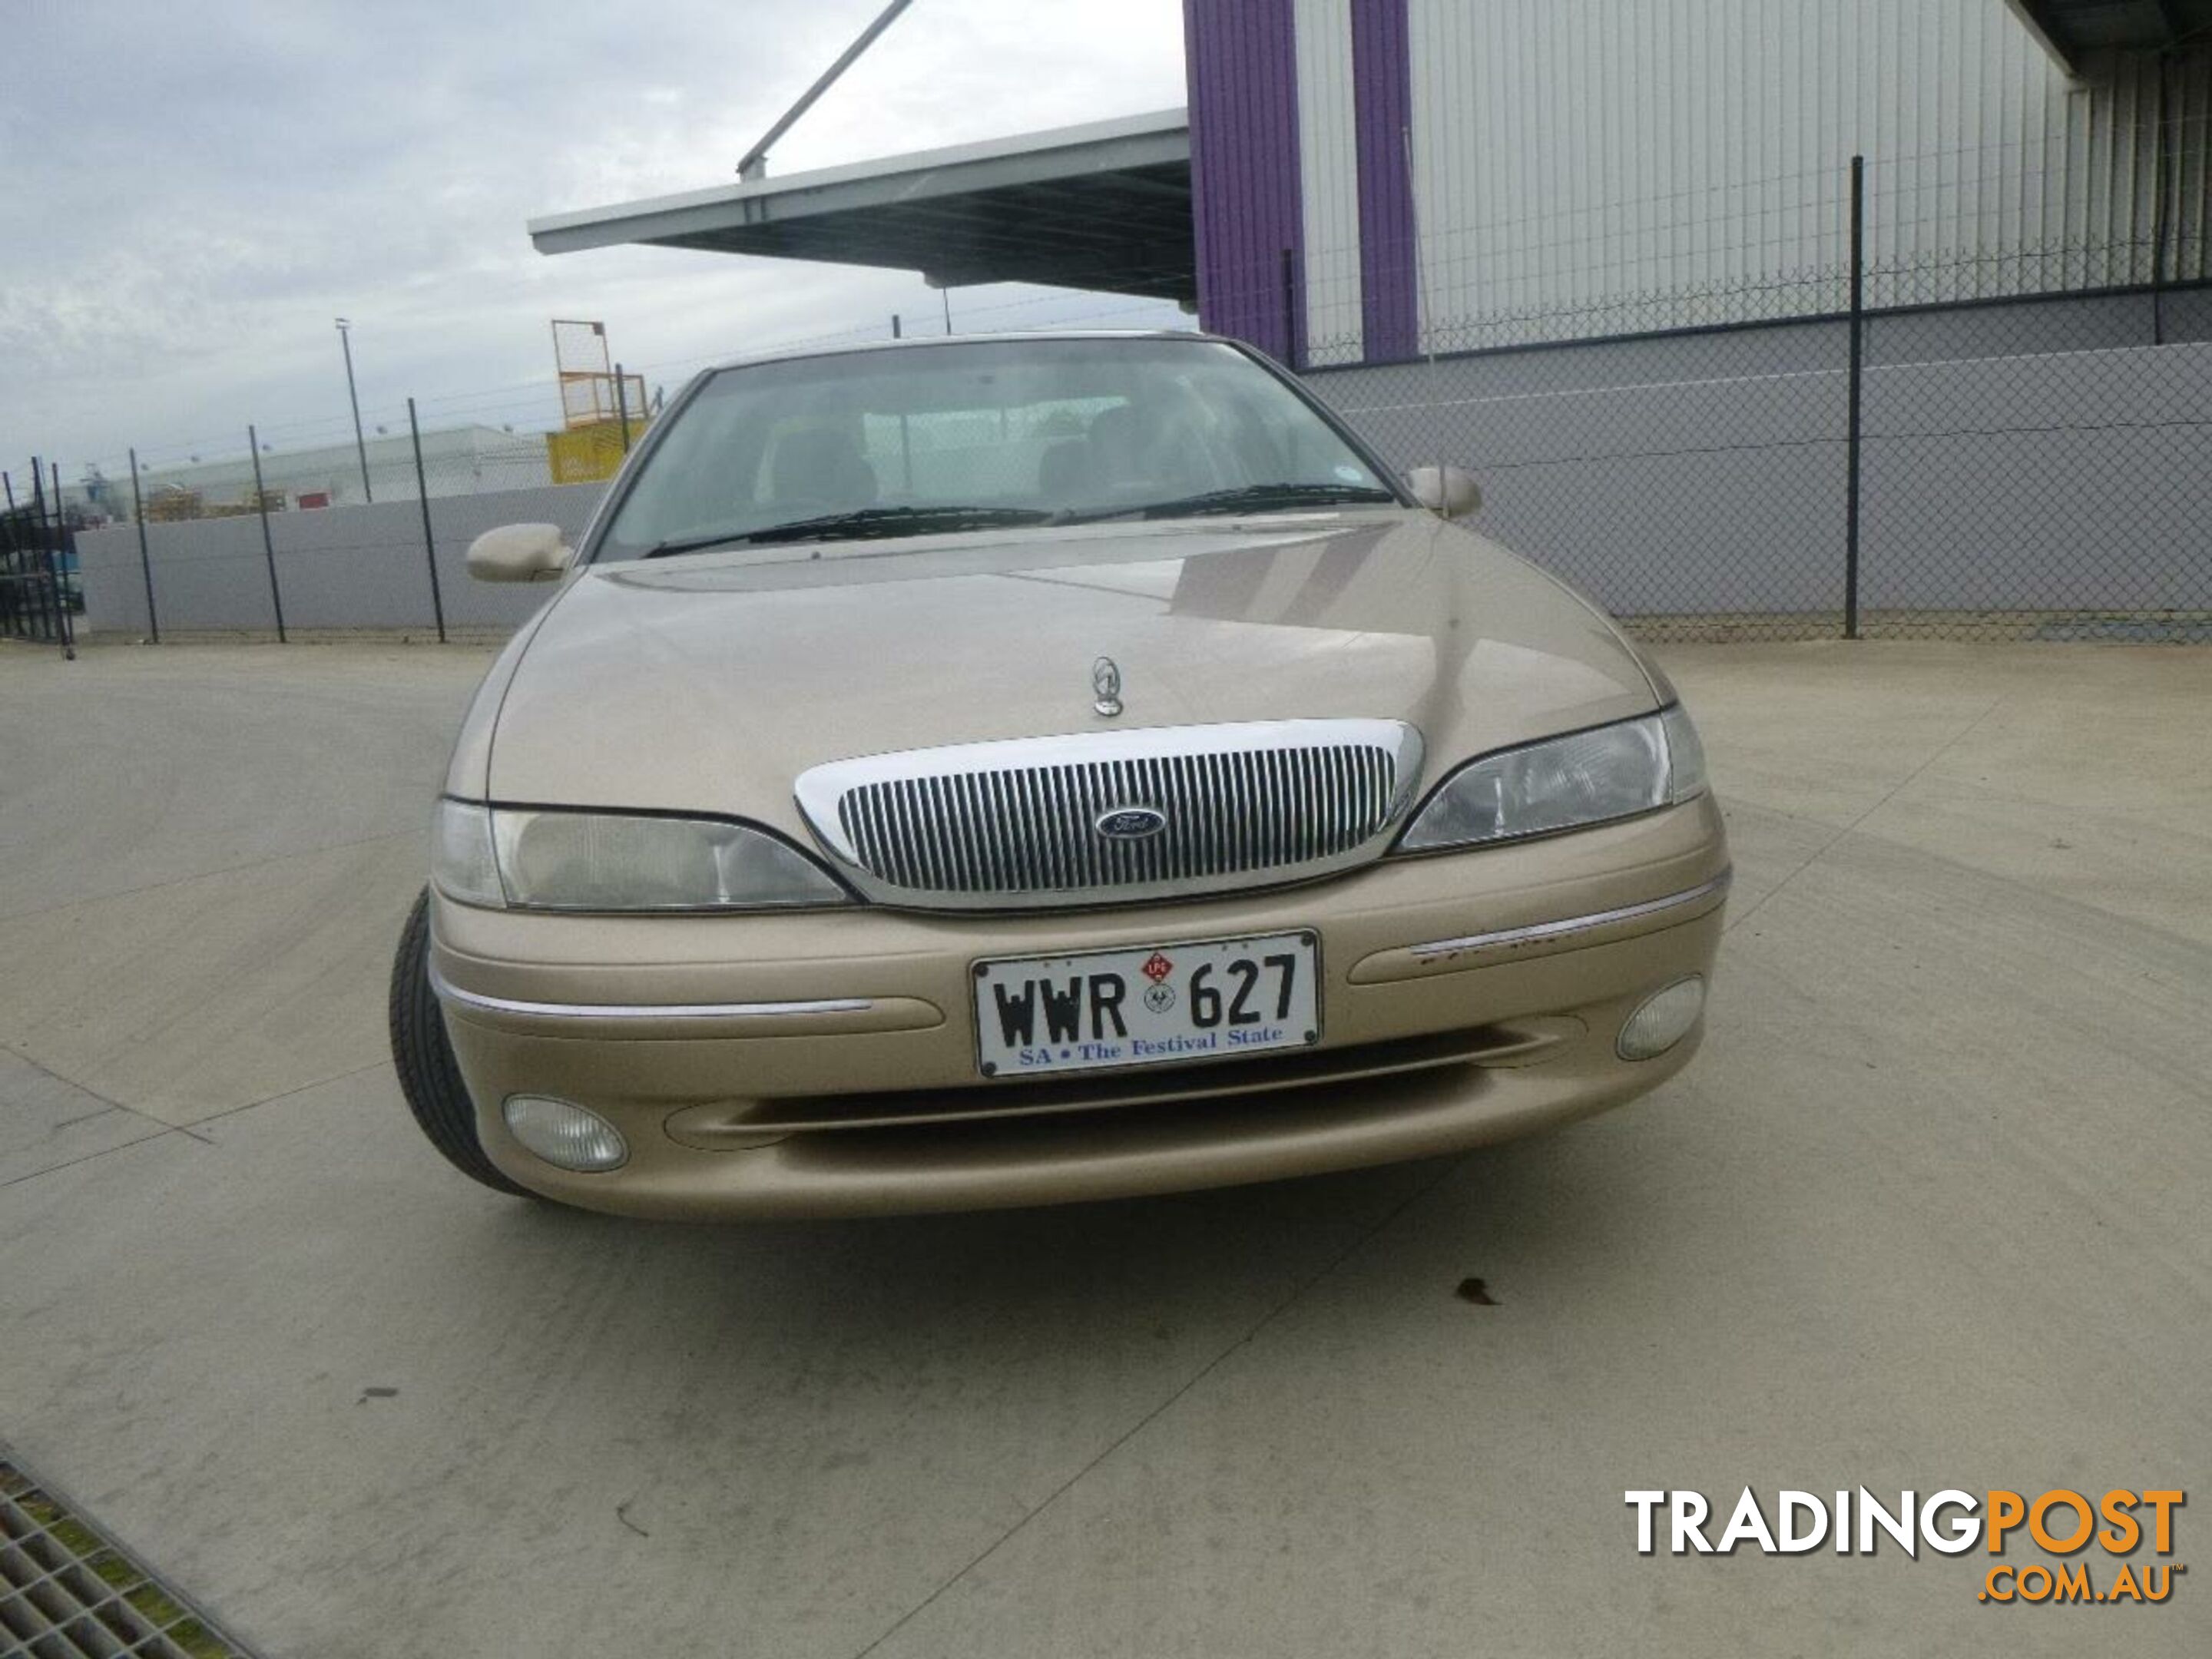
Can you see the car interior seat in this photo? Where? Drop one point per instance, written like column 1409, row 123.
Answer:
column 822, row 467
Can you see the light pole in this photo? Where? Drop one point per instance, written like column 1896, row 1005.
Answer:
column 360, row 443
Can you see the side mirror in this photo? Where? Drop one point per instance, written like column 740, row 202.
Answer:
column 1450, row 492
column 519, row 553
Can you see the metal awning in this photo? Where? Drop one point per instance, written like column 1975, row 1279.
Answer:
column 1104, row 206
column 2072, row 29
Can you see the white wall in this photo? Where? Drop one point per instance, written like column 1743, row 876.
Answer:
column 1328, row 173
column 2026, row 457
column 1594, row 155
column 338, row 567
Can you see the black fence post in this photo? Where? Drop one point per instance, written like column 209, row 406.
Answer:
column 43, row 591
column 57, row 559
column 8, row 599
column 430, row 541
column 34, row 527
column 46, row 536
column 27, row 600
column 145, row 558
column 268, row 542
column 2161, row 166
column 1290, row 312
column 621, row 406
column 1858, row 363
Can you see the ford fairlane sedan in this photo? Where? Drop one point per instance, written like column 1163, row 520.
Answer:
column 1017, row 770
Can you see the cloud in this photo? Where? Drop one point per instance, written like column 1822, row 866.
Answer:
column 198, row 192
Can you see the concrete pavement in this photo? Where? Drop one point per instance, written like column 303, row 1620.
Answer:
column 1928, row 1211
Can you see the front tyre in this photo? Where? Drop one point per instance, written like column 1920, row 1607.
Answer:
column 423, row 1057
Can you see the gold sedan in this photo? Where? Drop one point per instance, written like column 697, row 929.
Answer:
column 1012, row 770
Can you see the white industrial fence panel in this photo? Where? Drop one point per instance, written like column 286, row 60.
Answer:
column 2033, row 470
column 2038, row 469
column 336, row 567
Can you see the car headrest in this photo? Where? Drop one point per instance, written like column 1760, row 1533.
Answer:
column 821, row 465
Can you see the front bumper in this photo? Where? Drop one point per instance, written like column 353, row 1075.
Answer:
column 825, row 1063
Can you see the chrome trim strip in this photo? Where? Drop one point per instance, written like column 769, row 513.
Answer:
column 1541, row 930
column 980, row 826
column 453, row 992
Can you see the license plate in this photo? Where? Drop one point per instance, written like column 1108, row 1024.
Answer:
column 1153, row 1006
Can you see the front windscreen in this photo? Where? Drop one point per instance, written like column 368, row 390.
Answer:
column 978, row 434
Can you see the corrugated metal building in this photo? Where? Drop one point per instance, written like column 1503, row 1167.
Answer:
column 1372, row 177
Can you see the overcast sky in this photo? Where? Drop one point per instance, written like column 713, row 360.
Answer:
column 196, row 192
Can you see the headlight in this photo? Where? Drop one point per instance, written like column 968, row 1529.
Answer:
column 462, row 862
column 554, row 860
column 1564, row 783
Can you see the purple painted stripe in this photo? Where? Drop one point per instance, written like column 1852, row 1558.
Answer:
column 1240, row 58
column 1381, row 112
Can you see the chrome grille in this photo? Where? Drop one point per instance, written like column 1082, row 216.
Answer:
column 1017, row 823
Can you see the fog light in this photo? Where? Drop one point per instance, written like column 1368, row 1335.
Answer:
column 562, row 1132
column 1662, row 1020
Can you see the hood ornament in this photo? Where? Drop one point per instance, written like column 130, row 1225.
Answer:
column 1106, row 687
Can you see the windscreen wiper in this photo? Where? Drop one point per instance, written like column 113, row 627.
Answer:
column 691, row 544
column 1251, row 498
column 860, row 524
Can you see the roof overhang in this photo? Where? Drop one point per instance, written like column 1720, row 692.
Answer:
column 2070, row 30
column 1105, row 206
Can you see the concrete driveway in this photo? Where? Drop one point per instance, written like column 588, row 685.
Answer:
column 1929, row 1211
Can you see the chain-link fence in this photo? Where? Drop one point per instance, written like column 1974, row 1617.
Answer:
column 1884, row 400
column 2023, row 470
column 2040, row 472
column 334, row 526
column 369, row 536
column 1696, row 486
column 1925, row 443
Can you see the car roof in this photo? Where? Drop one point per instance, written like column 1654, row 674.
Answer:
column 793, row 353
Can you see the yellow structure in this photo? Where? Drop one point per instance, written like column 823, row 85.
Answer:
column 595, row 399
column 586, row 454
column 173, row 504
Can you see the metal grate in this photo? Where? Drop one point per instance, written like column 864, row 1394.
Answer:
column 1215, row 807
column 69, row 1592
